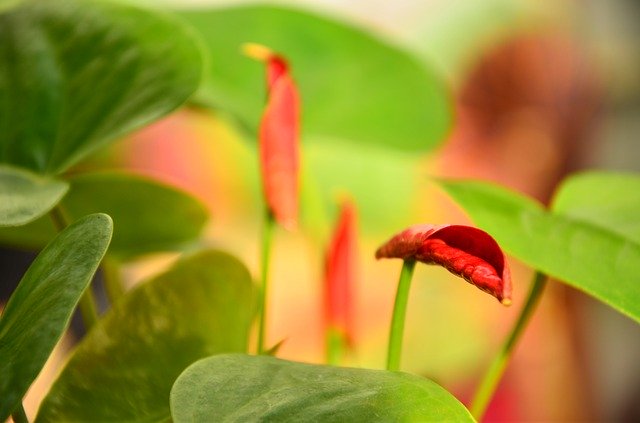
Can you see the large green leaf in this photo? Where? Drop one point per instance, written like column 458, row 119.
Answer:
column 354, row 86
column 25, row 196
column 595, row 260
column 40, row 308
column 75, row 75
column 237, row 388
column 148, row 216
column 606, row 199
column 124, row 369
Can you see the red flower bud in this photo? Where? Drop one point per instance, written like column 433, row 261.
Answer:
column 279, row 132
column 463, row 250
column 340, row 273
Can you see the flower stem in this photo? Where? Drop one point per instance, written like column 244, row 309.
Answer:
column 335, row 346
column 19, row 415
column 113, row 283
column 267, row 234
column 492, row 377
column 87, row 301
column 399, row 313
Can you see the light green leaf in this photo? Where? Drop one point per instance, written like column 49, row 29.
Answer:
column 595, row 260
column 25, row 196
column 236, row 387
column 40, row 308
column 354, row 86
column 148, row 216
column 606, row 199
column 75, row 75
column 125, row 367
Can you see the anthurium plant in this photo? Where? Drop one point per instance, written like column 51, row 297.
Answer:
column 191, row 343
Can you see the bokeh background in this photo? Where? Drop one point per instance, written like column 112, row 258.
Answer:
column 540, row 90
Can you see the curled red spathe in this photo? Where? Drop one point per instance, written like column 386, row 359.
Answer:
column 465, row 251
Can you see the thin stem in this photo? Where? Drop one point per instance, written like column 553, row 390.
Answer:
column 492, row 377
column 112, row 279
column 267, row 234
column 87, row 301
column 335, row 344
column 19, row 415
column 399, row 313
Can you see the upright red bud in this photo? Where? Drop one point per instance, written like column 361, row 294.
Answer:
column 340, row 273
column 279, row 133
column 463, row 250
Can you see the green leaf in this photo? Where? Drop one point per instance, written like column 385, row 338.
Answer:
column 125, row 367
column 354, row 86
column 595, row 260
column 148, row 216
column 238, row 387
column 24, row 196
column 605, row 199
column 75, row 75
column 40, row 308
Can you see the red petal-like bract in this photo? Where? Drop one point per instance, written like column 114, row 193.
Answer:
column 279, row 133
column 463, row 250
column 340, row 273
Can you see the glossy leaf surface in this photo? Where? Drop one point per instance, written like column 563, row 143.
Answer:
column 40, row 308
column 148, row 216
column 125, row 367
column 595, row 260
column 25, row 196
column 75, row 75
column 605, row 199
column 259, row 388
column 353, row 85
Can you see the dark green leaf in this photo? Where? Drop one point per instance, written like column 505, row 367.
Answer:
column 237, row 388
column 75, row 75
column 40, row 308
column 25, row 196
column 609, row 200
column 354, row 86
column 597, row 261
column 148, row 215
column 124, row 369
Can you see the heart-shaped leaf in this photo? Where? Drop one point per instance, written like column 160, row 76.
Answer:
column 606, row 199
column 125, row 367
column 75, row 75
column 148, row 216
column 595, row 260
column 353, row 85
column 40, row 308
column 238, row 387
column 25, row 196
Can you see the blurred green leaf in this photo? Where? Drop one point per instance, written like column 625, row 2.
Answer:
column 239, row 387
column 40, row 308
column 354, row 86
column 76, row 75
column 25, row 196
column 595, row 260
column 148, row 216
column 125, row 367
column 605, row 199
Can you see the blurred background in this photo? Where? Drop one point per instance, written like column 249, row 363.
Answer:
column 540, row 90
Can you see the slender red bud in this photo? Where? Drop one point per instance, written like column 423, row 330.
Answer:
column 340, row 273
column 465, row 251
column 279, row 133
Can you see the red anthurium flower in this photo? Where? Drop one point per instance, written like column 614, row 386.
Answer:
column 279, row 133
column 463, row 250
column 340, row 273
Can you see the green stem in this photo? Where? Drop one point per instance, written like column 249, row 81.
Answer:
column 112, row 279
column 399, row 313
column 492, row 377
column 267, row 234
column 19, row 415
column 335, row 344
column 87, row 301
